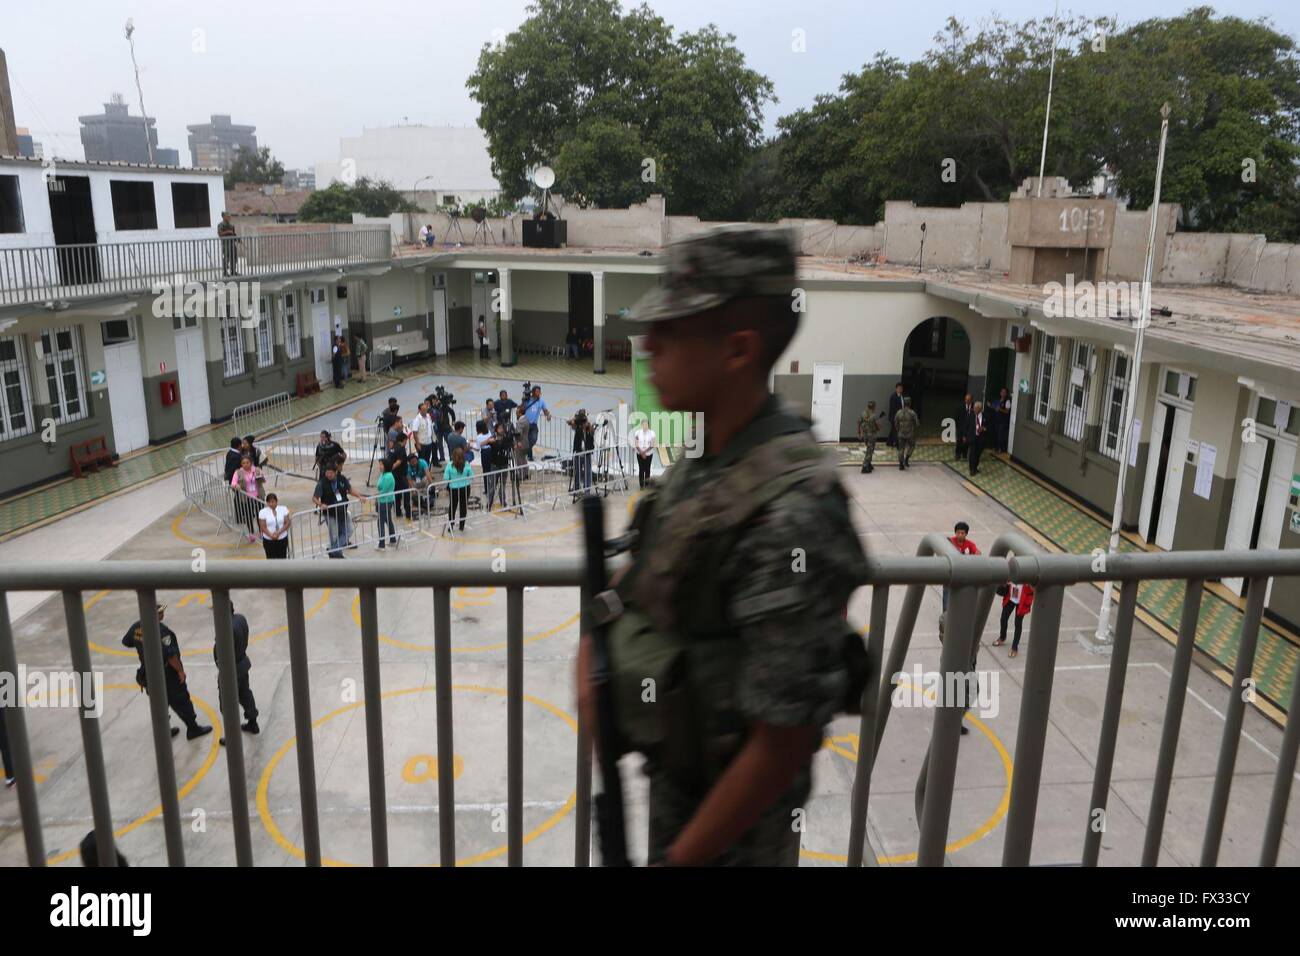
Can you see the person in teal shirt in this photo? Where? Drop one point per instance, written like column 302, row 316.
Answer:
column 417, row 470
column 386, row 501
column 458, row 476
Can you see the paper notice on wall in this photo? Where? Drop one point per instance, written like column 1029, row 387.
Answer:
column 1076, row 377
column 1281, row 415
column 1133, row 443
column 1183, row 380
column 1205, row 470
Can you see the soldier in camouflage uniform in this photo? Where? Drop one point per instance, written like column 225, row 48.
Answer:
column 868, row 432
column 750, row 551
column 905, row 423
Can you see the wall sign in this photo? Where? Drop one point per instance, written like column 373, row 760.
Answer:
column 98, row 378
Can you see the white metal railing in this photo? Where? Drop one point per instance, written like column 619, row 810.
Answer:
column 263, row 416
column 68, row 272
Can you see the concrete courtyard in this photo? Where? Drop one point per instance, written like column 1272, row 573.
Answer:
column 892, row 511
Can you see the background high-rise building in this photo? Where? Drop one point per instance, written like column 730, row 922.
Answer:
column 27, row 146
column 116, row 136
column 213, row 144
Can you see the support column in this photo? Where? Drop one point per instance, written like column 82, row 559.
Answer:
column 598, row 322
column 507, row 320
column 1024, row 366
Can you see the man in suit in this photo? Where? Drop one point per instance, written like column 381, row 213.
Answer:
column 976, row 435
column 963, row 427
column 895, row 406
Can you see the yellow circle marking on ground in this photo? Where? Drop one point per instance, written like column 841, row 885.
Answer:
column 979, row 833
column 516, row 539
column 283, row 628
column 500, row 645
column 184, row 791
column 264, row 784
column 424, row 767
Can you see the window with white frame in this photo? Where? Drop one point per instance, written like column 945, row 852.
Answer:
column 265, row 341
column 232, row 346
column 292, row 332
column 15, row 394
column 1112, row 410
column 1046, row 373
column 1076, row 393
column 61, row 352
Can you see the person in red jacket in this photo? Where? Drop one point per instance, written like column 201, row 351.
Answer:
column 1019, row 598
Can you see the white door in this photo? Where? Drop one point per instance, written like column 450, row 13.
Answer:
column 828, row 388
column 196, row 407
column 1276, row 496
column 1174, row 478
column 1245, row 500
column 1153, row 460
column 320, row 326
column 439, row 321
column 126, row 396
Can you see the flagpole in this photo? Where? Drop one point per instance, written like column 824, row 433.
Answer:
column 1103, row 639
column 1051, row 78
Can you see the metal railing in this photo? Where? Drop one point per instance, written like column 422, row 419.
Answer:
column 70, row 272
column 263, row 416
column 430, row 507
column 972, row 580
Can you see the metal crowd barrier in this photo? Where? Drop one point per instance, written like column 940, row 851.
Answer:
column 514, row 492
column 971, row 578
column 264, row 416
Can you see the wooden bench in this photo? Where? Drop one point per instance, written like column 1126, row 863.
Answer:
column 90, row 453
column 306, row 384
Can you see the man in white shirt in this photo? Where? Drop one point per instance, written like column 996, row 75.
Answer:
column 422, row 429
column 424, row 235
column 643, row 440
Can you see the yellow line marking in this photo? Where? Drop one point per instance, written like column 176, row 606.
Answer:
column 973, row 489
column 264, row 784
column 500, row 645
column 835, row 744
column 263, row 635
column 181, row 794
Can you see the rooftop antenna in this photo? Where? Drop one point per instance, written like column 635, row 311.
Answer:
column 544, row 179
column 144, row 117
column 1051, row 77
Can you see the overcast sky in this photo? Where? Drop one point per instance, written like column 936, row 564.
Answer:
column 306, row 73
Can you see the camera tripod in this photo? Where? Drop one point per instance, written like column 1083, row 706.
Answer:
column 380, row 437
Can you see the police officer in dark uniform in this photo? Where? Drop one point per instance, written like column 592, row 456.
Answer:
column 239, row 628
column 178, row 694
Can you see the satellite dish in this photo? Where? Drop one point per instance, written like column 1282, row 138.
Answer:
column 544, row 177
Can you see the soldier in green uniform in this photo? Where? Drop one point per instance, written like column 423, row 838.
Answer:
column 868, row 432
column 745, row 559
column 905, row 423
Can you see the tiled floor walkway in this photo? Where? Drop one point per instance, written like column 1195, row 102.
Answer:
column 1073, row 529
column 61, row 497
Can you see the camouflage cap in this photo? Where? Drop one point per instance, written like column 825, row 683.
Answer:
column 724, row 264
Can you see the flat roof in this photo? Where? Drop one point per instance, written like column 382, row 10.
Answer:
column 109, row 164
column 1217, row 326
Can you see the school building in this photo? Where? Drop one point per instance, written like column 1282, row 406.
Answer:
column 107, row 328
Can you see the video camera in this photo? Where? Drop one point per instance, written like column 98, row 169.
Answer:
column 528, row 393
column 442, row 395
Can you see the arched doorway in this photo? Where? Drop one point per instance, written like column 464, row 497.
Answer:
column 935, row 370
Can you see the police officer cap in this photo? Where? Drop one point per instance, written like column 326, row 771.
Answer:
column 727, row 263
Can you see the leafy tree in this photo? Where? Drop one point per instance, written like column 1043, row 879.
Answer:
column 259, row 168
column 338, row 201
column 979, row 99
column 584, row 87
column 1233, row 87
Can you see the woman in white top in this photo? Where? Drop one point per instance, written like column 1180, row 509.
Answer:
column 643, row 440
column 274, row 519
